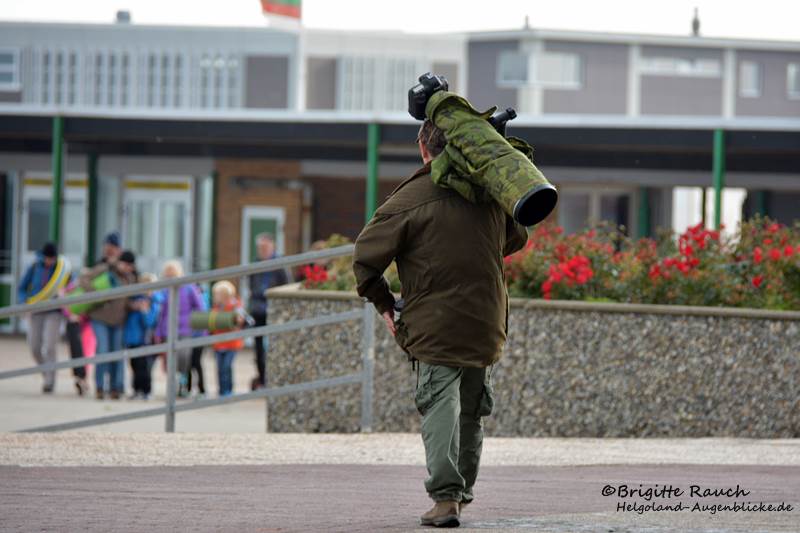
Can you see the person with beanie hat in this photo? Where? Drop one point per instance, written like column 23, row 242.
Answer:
column 108, row 319
column 112, row 247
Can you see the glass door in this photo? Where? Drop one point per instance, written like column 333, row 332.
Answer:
column 37, row 198
column 158, row 221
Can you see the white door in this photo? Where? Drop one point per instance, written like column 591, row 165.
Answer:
column 37, row 197
column 157, row 221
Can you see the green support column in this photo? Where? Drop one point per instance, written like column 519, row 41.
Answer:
column 761, row 203
column 213, row 236
column 91, row 209
column 373, row 141
column 703, row 203
column 719, row 175
column 58, row 179
column 643, row 222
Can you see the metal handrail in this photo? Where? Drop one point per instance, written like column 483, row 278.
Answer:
column 172, row 343
column 200, row 277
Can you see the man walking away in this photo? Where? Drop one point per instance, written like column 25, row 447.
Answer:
column 449, row 254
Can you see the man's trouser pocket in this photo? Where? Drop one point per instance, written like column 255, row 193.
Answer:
column 486, row 405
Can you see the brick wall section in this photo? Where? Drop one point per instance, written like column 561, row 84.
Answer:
column 254, row 182
column 338, row 204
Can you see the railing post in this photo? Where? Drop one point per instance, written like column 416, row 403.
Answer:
column 367, row 366
column 172, row 337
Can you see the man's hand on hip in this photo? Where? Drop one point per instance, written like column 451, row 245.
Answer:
column 388, row 317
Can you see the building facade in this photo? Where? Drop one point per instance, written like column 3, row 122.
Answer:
column 193, row 140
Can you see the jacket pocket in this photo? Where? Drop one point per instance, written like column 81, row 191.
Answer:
column 401, row 335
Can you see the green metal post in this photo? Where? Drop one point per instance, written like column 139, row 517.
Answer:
column 213, row 236
column 643, row 224
column 719, row 175
column 761, row 203
column 373, row 140
column 58, row 179
column 703, row 203
column 91, row 207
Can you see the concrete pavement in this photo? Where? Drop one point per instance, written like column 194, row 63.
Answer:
column 223, row 473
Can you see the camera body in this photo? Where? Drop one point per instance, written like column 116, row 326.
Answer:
column 419, row 94
column 500, row 119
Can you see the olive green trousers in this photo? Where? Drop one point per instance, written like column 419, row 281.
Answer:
column 452, row 401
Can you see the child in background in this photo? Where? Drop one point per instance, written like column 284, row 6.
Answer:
column 76, row 333
column 196, row 366
column 188, row 300
column 224, row 299
column 138, row 332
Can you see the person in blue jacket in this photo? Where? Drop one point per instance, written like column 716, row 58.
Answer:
column 139, row 325
column 42, row 327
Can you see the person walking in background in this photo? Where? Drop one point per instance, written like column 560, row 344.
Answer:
column 42, row 327
column 112, row 247
column 139, row 327
column 108, row 319
column 259, row 283
column 189, row 300
column 76, row 325
column 196, row 364
column 225, row 300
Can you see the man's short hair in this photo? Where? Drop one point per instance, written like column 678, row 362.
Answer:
column 266, row 236
column 432, row 138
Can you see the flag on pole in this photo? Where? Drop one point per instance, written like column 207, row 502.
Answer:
column 286, row 8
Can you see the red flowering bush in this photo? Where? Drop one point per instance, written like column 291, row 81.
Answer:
column 759, row 267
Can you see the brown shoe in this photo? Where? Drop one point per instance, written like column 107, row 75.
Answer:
column 442, row 514
column 99, row 395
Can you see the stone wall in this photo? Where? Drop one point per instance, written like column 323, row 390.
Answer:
column 570, row 369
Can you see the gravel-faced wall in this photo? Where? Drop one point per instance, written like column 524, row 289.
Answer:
column 570, row 369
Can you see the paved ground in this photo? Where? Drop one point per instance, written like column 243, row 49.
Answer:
column 369, row 498
column 130, row 477
column 23, row 406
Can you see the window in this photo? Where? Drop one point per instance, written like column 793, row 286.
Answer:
column 512, row 68
column 46, row 77
column 177, row 81
column 38, row 223
column 112, row 79
column 141, row 227
column 676, row 66
column 9, row 69
column 749, row 79
column 205, row 81
column 99, row 67
column 219, row 74
column 58, row 89
column 369, row 83
column 124, row 78
column 573, row 211
column 793, row 80
column 233, row 82
column 172, row 217
column 72, row 79
column 151, row 80
column 74, row 217
column 559, row 70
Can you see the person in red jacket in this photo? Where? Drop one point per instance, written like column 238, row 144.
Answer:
column 225, row 300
